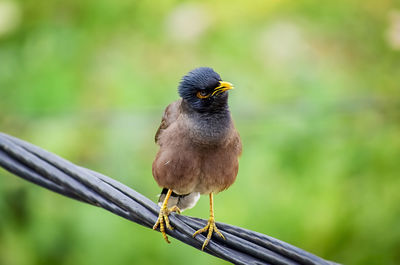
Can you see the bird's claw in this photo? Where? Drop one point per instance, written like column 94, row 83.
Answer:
column 163, row 220
column 210, row 227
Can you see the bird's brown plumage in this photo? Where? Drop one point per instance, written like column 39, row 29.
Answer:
column 199, row 148
column 195, row 158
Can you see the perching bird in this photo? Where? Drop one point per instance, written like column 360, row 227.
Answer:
column 199, row 147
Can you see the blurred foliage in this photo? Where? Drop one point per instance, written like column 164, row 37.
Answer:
column 317, row 105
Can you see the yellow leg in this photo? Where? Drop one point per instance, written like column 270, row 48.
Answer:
column 163, row 216
column 210, row 227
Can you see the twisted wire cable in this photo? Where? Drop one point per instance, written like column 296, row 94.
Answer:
column 52, row 172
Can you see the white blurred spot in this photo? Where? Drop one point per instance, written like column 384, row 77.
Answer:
column 393, row 32
column 187, row 22
column 282, row 42
column 10, row 17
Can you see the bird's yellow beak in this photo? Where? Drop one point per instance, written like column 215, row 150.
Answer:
column 223, row 86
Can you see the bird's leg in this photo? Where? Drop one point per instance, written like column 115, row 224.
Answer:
column 163, row 216
column 211, row 226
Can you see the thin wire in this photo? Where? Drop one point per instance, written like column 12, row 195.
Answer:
column 50, row 171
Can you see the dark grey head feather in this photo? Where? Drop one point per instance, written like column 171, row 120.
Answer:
column 199, row 80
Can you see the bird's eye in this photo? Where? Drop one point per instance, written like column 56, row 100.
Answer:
column 202, row 94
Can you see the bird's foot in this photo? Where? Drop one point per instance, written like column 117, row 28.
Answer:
column 163, row 220
column 210, row 227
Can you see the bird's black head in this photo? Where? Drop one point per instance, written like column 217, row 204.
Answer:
column 204, row 91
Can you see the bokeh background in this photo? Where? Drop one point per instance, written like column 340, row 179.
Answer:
column 317, row 103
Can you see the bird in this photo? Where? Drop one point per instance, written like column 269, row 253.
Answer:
column 199, row 148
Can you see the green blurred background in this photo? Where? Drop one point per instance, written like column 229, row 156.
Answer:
column 317, row 103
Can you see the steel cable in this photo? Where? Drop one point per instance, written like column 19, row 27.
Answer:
column 50, row 171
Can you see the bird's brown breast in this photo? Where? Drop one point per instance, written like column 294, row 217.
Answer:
column 195, row 158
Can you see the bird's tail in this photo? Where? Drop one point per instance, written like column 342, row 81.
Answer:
column 185, row 201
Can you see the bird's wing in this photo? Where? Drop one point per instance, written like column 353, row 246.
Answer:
column 171, row 113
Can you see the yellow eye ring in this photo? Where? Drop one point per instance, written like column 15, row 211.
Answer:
column 199, row 95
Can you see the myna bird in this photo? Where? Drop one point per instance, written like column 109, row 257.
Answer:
column 199, row 147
